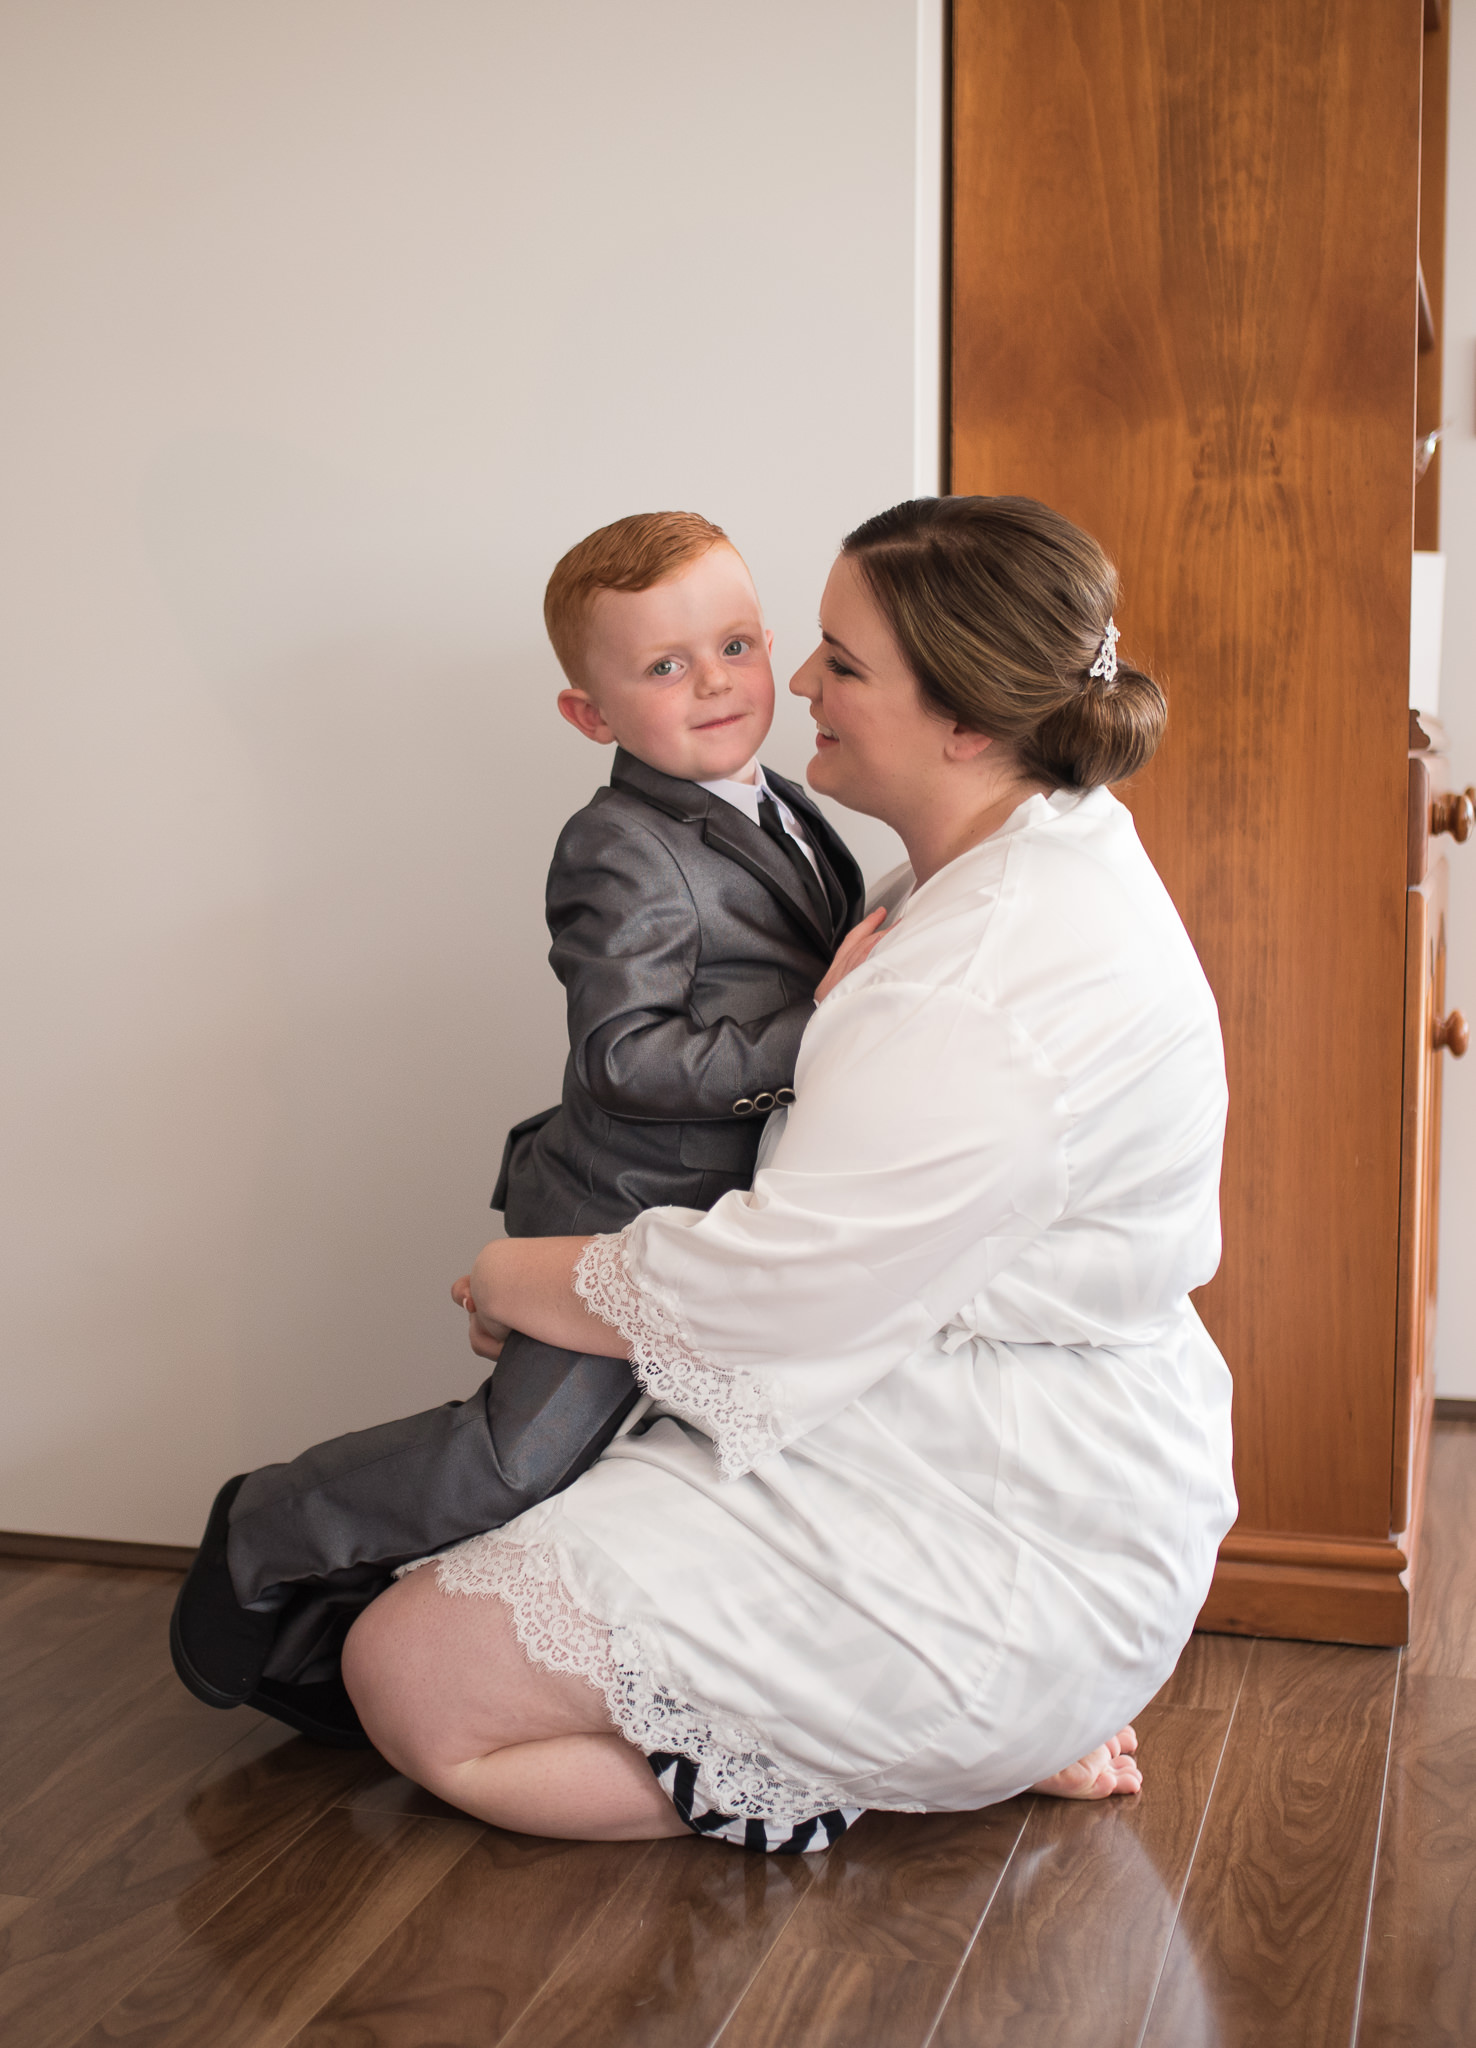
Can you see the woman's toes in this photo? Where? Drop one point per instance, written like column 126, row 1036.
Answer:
column 1100, row 1774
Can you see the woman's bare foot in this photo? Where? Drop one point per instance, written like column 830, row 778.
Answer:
column 1111, row 1767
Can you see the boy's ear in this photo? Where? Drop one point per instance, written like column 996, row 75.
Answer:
column 585, row 716
column 769, row 639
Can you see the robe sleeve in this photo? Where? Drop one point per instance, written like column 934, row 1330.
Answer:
column 925, row 1150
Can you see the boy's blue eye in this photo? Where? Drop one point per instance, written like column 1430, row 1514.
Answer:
column 663, row 668
column 735, row 647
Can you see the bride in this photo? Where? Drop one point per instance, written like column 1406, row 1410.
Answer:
column 936, row 1459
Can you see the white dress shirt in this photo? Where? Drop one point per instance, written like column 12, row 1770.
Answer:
column 744, row 796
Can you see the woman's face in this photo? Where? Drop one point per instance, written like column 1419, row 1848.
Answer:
column 877, row 739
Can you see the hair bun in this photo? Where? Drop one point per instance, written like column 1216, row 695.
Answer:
column 1106, row 732
column 1003, row 611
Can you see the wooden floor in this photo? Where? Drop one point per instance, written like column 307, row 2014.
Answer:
column 1300, row 1870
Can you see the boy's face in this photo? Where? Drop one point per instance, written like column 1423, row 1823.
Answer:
column 679, row 674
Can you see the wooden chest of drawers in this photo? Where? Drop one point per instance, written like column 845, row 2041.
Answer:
column 1196, row 304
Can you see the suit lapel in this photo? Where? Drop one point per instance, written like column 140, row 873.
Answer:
column 727, row 831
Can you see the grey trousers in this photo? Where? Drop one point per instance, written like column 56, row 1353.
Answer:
column 319, row 1537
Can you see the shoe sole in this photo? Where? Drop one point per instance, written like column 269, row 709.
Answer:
column 190, row 1678
column 184, row 1670
column 324, row 1732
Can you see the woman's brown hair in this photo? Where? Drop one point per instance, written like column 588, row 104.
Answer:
column 1001, row 608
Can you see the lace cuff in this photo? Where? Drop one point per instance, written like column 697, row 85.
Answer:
column 725, row 1404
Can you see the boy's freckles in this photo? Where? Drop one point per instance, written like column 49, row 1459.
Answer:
column 680, row 672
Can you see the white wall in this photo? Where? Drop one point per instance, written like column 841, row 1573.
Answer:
column 329, row 325
column 1455, row 1352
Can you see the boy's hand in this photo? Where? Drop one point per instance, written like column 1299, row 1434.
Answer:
column 487, row 1336
column 853, row 949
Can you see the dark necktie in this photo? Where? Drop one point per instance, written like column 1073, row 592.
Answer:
column 771, row 822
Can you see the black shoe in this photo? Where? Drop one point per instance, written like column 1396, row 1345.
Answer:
column 219, row 1647
column 323, row 1712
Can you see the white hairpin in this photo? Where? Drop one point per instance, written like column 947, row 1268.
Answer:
column 1105, row 665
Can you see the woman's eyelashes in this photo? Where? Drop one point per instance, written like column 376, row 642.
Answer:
column 838, row 668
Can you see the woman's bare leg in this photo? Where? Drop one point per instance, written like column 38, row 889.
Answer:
column 1111, row 1767
column 448, row 1696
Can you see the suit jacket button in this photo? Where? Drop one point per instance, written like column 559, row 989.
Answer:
column 743, row 1107
column 764, row 1102
column 784, row 1097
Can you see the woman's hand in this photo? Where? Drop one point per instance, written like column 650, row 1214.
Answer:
column 527, row 1284
column 853, row 949
column 487, row 1335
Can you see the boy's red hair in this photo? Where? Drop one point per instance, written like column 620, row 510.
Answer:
column 632, row 554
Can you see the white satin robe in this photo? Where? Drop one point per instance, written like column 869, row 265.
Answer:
column 939, row 1459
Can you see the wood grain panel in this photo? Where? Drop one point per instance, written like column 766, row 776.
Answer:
column 1420, row 1979
column 1295, row 1601
column 1268, row 1947
column 1443, row 1642
column 54, row 1704
column 667, row 1964
column 250, row 1976
column 43, row 1606
column 873, row 1948
column 1434, row 117
column 1340, row 1553
column 1036, row 1977
column 151, row 1760
column 478, row 1948
column 1419, row 1198
column 157, row 1871
column 1184, row 280
column 1209, row 1673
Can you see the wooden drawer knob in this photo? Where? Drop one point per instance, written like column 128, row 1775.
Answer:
column 1455, row 814
column 1454, row 1035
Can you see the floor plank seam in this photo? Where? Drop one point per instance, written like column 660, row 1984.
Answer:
column 516, row 2019
column 1373, row 1875
column 357, row 1963
column 973, row 1940
column 1209, row 1801
column 69, row 1644
column 732, row 2013
column 566, row 1961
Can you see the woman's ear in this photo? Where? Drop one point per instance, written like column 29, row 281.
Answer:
column 585, row 716
column 963, row 745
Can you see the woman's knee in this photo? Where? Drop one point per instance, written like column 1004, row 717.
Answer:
column 438, row 1678
column 382, row 1663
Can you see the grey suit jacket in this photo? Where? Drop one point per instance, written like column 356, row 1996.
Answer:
column 689, row 949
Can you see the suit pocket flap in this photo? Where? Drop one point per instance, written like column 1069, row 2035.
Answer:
column 721, row 1148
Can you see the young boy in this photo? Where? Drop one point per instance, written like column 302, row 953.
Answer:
column 694, row 906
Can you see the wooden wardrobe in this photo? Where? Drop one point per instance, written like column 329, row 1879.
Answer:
column 1189, row 310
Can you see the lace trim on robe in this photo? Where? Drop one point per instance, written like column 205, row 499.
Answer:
column 734, row 1774
column 724, row 1404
